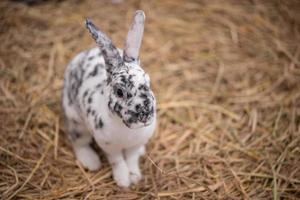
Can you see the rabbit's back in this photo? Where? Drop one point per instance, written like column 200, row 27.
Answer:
column 87, row 69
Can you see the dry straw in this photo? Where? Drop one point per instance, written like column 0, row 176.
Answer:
column 226, row 76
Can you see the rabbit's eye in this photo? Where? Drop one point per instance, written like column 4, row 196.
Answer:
column 120, row 93
column 137, row 107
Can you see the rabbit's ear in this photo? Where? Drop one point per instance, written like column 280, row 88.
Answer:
column 110, row 53
column 134, row 37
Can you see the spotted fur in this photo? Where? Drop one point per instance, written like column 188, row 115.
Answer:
column 107, row 96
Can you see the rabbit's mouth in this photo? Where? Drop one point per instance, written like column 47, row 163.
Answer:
column 139, row 120
column 138, row 124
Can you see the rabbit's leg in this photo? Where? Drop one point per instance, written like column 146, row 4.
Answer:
column 132, row 156
column 119, row 168
column 81, row 140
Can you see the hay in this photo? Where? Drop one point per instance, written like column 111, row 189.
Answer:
column 226, row 76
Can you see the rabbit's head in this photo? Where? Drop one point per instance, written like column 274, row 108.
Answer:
column 130, row 97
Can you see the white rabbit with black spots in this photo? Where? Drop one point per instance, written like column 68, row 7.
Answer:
column 107, row 96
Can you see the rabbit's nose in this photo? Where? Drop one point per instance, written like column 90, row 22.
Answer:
column 145, row 113
column 143, row 118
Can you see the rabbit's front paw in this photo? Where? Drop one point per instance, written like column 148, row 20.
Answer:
column 121, row 174
column 88, row 158
column 135, row 177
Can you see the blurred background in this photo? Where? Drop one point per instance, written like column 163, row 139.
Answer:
column 226, row 75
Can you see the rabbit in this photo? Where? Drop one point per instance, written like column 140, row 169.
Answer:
column 107, row 97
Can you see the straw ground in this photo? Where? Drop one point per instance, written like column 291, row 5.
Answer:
column 226, row 75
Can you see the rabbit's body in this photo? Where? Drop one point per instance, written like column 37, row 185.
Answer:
column 85, row 79
column 107, row 97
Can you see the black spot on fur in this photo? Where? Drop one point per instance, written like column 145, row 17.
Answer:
column 98, row 122
column 133, row 117
column 85, row 93
column 108, row 80
column 98, row 86
column 93, row 112
column 94, row 72
column 143, row 87
column 110, row 104
column 90, row 100
column 146, row 103
column 138, row 107
column 88, row 111
column 91, row 58
column 129, row 95
column 117, row 109
column 124, row 80
column 129, row 103
column 130, row 81
column 143, row 96
column 90, row 97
